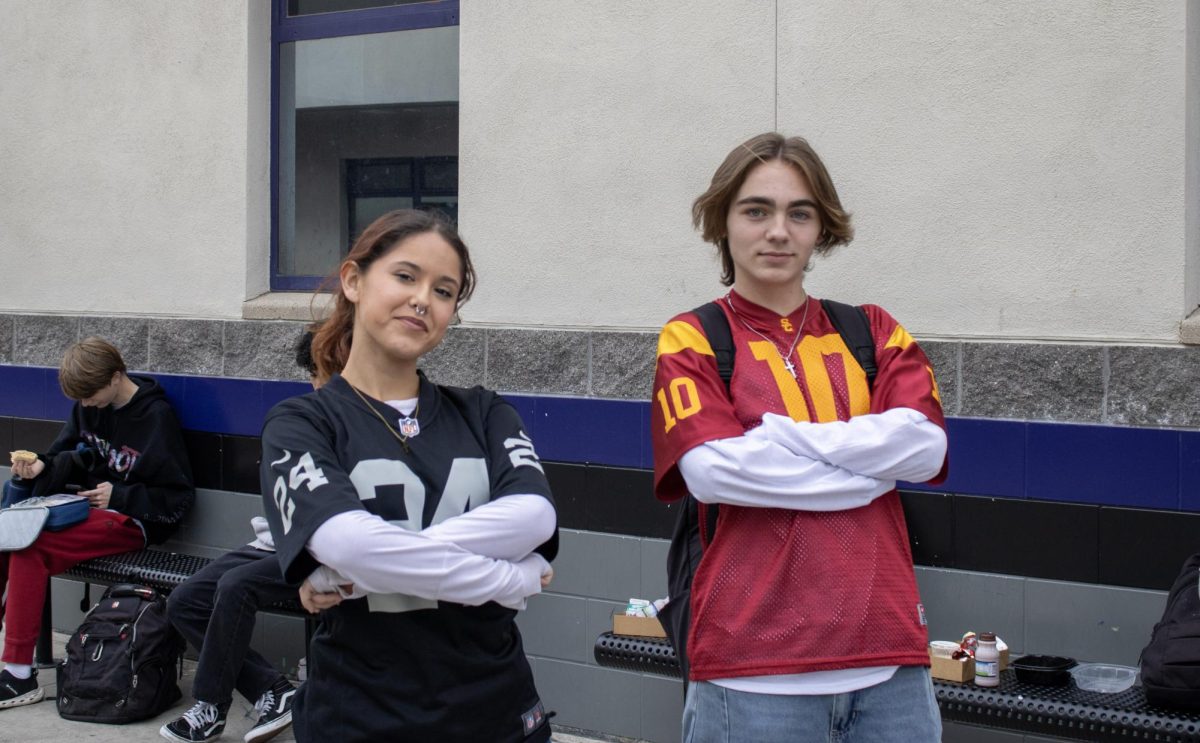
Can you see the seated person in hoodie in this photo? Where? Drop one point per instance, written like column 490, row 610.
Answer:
column 215, row 610
column 122, row 446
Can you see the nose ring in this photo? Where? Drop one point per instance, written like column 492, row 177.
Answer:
column 420, row 310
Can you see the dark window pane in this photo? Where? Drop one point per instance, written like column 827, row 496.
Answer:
column 440, row 175
column 447, row 205
column 369, row 208
column 358, row 115
column 309, row 7
column 368, row 177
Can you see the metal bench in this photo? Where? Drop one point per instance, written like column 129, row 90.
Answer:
column 1061, row 712
column 160, row 569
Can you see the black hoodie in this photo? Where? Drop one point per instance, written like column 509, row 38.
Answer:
column 140, row 450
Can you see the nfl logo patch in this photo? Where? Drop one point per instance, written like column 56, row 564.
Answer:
column 533, row 719
column 115, row 604
column 409, row 427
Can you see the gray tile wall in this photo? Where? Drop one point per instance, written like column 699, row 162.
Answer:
column 1154, row 386
column 554, row 361
column 1120, row 385
column 1033, row 382
column 947, row 362
column 42, row 341
column 232, row 348
column 1089, row 622
column 129, row 334
column 460, row 359
column 6, row 338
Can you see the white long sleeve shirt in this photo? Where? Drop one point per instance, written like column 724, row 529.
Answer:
column 483, row 555
column 816, row 466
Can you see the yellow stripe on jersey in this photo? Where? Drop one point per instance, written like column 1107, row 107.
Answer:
column 680, row 336
column 900, row 339
column 812, row 352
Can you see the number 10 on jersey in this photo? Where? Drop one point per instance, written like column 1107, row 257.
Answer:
column 684, row 400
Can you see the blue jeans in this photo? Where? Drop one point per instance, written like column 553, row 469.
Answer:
column 215, row 611
column 902, row 709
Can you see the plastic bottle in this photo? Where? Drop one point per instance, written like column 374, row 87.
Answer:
column 987, row 661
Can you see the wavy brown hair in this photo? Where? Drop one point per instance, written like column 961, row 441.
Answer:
column 710, row 212
column 88, row 367
column 332, row 337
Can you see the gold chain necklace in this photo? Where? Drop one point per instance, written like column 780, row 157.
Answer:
column 787, row 358
column 408, row 424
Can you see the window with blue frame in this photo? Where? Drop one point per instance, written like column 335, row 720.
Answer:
column 365, row 119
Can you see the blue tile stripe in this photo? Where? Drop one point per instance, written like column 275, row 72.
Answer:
column 1076, row 463
column 213, row 404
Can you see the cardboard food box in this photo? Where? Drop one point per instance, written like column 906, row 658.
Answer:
column 948, row 669
column 637, row 626
column 962, row 670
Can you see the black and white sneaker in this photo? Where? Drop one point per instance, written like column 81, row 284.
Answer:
column 15, row 692
column 274, row 710
column 202, row 722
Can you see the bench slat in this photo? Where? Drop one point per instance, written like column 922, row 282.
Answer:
column 161, row 570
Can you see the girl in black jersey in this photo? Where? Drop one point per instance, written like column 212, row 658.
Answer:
column 418, row 516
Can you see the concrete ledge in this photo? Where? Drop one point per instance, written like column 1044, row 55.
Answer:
column 1189, row 329
column 304, row 306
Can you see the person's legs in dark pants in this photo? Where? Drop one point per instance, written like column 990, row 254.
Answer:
column 216, row 609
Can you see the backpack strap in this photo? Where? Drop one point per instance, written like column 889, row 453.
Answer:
column 720, row 339
column 716, row 329
column 851, row 323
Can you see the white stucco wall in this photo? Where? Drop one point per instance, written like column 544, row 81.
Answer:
column 1017, row 170
column 1192, row 168
column 586, row 131
column 134, row 158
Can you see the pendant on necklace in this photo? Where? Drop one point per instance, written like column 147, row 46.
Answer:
column 787, row 364
column 410, row 427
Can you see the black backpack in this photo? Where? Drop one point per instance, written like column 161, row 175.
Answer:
column 697, row 522
column 1171, row 662
column 123, row 662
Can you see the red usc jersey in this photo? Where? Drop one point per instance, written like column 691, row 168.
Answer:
column 780, row 591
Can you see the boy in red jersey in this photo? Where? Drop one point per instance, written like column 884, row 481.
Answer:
column 806, row 622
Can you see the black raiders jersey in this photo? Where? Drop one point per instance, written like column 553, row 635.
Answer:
column 395, row 667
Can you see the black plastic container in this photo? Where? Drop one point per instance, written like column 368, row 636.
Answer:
column 1044, row 670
